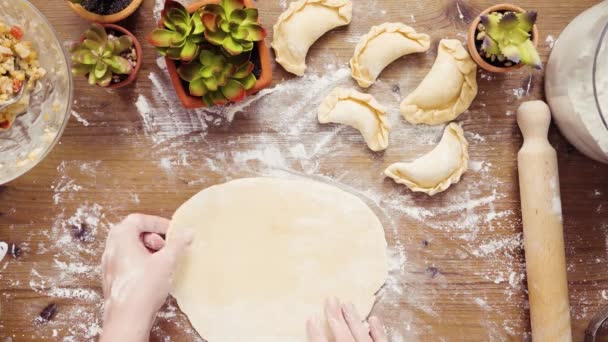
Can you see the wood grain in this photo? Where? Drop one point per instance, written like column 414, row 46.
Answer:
column 447, row 290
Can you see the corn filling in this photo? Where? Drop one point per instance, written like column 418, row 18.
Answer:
column 18, row 63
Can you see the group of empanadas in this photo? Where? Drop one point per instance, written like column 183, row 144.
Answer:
column 446, row 92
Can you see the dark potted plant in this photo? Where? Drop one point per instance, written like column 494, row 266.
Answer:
column 215, row 51
column 503, row 38
column 104, row 11
column 108, row 55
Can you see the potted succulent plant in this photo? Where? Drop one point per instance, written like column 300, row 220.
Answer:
column 108, row 55
column 104, row 11
column 504, row 38
column 215, row 51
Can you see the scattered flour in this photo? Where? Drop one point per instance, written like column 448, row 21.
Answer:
column 550, row 41
column 460, row 14
column 80, row 119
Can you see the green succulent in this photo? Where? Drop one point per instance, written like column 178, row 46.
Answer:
column 218, row 79
column 232, row 26
column 98, row 56
column 182, row 33
column 507, row 37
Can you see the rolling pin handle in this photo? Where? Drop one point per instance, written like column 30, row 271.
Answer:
column 534, row 118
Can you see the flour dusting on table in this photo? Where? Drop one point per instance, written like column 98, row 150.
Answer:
column 281, row 137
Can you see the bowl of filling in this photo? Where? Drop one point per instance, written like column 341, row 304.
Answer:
column 35, row 88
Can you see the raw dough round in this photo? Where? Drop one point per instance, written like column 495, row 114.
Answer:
column 268, row 252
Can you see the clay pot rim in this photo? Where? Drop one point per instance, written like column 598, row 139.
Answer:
column 473, row 33
column 138, row 50
column 105, row 19
column 192, row 102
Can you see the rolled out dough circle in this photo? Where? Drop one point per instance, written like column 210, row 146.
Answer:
column 268, row 252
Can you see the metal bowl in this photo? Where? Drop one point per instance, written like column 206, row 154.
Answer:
column 34, row 134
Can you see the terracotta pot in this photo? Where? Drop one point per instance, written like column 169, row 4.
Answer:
column 105, row 19
column 473, row 33
column 191, row 102
column 138, row 50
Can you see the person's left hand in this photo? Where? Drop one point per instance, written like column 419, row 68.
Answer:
column 137, row 267
column 346, row 325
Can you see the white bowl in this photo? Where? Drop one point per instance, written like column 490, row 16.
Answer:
column 34, row 134
column 577, row 82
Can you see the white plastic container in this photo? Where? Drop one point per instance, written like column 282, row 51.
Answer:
column 576, row 82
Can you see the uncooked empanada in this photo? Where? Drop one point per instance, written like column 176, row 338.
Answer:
column 302, row 24
column 383, row 45
column 447, row 91
column 358, row 110
column 438, row 169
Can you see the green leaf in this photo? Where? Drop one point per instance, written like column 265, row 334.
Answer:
column 198, row 39
column 181, row 21
column 105, row 80
column 172, row 5
column 215, row 9
column 92, row 45
column 231, row 46
column 210, row 21
column 490, row 46
column 208, row 57
column 490, row 24
column 238, row 16
column 92, row 78
column 256, row 32
column 225, row 25
column 252, row 16
column 234, row 91
column 190, row 72
column 210, row 83
column 248, row 82
column 100, row 69
column 84, row 57
column 124, row 43
column 189, row 51
column 197, row 21
column 118, row 65
column 216, row 38
column 230, row 6
column 527, row 20
column 247, row 45
column 81, row 69
column 244, row 70
column 239, row 33
column 529, row 55
column 198, row 88
column 163, row 38
column 96, row 33
column 217, row 98
column 174, row 53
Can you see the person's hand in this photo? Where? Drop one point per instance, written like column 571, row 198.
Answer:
column 346, row 325
column 137, row 267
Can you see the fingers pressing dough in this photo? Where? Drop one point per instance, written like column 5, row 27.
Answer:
column 301, row 25
column 438, row 169
column 447, row 90
column 358, row 110
column 383, row 45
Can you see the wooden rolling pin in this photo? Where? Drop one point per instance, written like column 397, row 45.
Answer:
column 543, row 228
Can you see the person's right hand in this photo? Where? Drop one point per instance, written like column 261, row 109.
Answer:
column 346, row 325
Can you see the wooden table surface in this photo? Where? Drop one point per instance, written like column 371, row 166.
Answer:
column 457, row 261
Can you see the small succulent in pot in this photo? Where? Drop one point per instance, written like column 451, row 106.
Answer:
column 506, row 38
column 105, row 59
column 232, row 26
column 181, row 35
column 218, row 79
